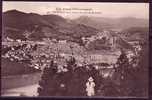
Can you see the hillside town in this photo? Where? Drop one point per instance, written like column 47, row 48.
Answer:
column 74, row 55
column 26, row 50
column 40, row 55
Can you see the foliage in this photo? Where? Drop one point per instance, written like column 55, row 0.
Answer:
column 140, row 79
column 70, row 83
column 131, row 78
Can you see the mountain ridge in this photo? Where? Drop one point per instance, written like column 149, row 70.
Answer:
column 42, row 26
column 113, row 23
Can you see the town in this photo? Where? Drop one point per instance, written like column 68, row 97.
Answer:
column 40, row 54
column 48, row 54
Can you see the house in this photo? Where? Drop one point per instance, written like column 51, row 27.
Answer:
column 63, row 41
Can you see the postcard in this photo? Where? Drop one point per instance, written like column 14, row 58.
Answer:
column 68, row 49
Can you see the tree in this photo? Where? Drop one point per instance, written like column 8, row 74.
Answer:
column 69, row 83
column 47, row 82
column 133, row 77
column 140, row 74
column 122, row 74
column 53, row 83
column 109, row 88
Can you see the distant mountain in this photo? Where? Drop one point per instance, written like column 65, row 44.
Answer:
column 16, row 23
column 112, row 23
column 93, row 22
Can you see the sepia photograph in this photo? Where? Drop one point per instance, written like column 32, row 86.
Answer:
column 74, row 49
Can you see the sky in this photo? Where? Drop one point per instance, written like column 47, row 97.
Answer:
column 74, row 10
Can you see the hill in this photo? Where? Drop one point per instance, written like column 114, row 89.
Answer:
column 112, row 23
column 32, row 26
column 136, row 33
column 17, row 23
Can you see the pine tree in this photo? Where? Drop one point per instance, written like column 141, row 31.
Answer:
column 70, row 83
column 122, row 73
column 47, row 83
column 133, row 79
column 53, row 83
column 140, row 74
